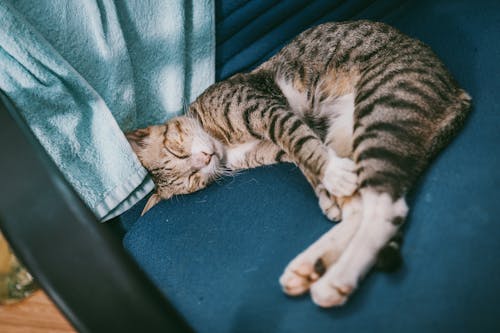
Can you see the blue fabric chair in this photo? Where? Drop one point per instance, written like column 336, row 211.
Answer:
column 217, row 254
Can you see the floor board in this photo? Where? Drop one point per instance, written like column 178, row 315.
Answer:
column 36, row 314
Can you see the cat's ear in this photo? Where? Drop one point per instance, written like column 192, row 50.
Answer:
column 153, row 200
column 137, row 139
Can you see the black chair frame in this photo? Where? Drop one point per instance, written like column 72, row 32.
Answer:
column 78, row 261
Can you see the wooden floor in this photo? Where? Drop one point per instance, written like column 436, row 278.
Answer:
column 35, row 314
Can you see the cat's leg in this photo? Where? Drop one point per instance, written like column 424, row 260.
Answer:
column 258, row 111
column 339, row 139
column 301, row 144
column 380, row 219
column 311, row 264
column 326, row 201
column 260, row 153
column 265, row 152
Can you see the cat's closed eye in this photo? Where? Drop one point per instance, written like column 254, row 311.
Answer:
column 177, row 151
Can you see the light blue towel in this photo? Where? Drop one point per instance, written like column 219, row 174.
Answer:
column 82, row 72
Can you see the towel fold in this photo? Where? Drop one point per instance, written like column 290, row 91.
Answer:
column 83, row 72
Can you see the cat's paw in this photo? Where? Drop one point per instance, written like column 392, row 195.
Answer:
column 297, row 277
column 336, row 285
column 340, row 177
column 313, row 262
column 310, row 265
column 330, row 291
column 318, row 267
column 328, row 205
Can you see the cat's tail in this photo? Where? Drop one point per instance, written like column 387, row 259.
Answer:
column 454, row 119
column 389, row 257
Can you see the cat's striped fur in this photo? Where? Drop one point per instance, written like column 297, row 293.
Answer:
column 358, row 106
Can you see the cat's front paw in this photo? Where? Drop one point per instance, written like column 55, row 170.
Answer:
column 328, row 204
column 340, row 177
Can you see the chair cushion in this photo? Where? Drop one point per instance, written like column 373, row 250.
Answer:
column 217, row 254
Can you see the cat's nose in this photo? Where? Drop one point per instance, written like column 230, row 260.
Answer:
column 202, row 159
column 206, row 157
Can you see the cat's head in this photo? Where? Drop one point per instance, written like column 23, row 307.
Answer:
column 180, row 155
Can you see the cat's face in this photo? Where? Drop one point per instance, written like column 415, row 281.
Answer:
column 180, row 155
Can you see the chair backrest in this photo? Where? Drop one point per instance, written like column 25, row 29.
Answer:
column 78, row 261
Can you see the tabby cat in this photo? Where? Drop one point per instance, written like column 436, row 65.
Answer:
column 359, row 107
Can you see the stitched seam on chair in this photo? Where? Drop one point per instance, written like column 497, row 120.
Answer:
column 389, row 11
column 237, row 8
column 256, row 38
column 357, row 11
column 259, row 14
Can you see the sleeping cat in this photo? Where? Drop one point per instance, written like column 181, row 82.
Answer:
column 359, row 107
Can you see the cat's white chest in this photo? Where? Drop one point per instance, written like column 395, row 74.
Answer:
column 236, row 154
column 340, row 112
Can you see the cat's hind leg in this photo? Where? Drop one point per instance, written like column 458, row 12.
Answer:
column 381, row 217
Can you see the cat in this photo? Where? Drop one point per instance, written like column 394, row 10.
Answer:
column 358, row 106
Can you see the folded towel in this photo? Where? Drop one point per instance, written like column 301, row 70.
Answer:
column 83, row 72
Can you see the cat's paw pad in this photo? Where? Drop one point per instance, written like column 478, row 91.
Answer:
column 340, row 177
column 329, row 206
column 327, row 293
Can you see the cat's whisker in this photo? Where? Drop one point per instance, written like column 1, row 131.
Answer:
column 221, row 171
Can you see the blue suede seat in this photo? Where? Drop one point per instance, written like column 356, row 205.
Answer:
column 217, row 254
